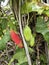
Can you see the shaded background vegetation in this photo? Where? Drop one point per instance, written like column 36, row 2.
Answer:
column 35, row 14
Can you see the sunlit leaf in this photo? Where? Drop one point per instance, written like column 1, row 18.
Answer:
column 32, row 41
column 46, row 12
column 31, row 7
column 27, row 33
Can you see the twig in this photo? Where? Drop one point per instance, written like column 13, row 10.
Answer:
column 2, row 53
column 25, row 45
column 28, row 19
column 38, row 59
column 47, row 52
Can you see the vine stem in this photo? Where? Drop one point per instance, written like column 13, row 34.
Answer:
column 47, row 52
column 25, row 44
column 38, row 59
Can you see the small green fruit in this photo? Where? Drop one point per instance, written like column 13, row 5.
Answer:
column 27, row 33
column 32, row 41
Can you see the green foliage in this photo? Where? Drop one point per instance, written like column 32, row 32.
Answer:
column 46, row 36
column 32, row 7
column 2, row 0
column 12, row 23
column 27, row 33
column 23, row 63
column 43, row 59
column 9, row 23
column 41, row 27
column 3, row 25
column 20, row 56
column 6, row 24
column 4, row 40
column 46, row 12
column 32, row 41
column 30, row 50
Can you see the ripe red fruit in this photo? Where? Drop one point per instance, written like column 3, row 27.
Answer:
column 16, row 38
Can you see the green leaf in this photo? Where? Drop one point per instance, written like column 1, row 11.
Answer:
column 40, row 10
column 22, row 63
column 31, row 50
column 27, row 33
column 46, row 36
column 41, row 27
column 4, row 40
column 20, row 56
column 2, row 0
column 26, row 8
column 6, row 37
column 43, row 58
column 32, row 41
column 31, row 7
column 2, row 45
column 11, row 25
column 46, row 12
column 4, row 23
column 37, row 8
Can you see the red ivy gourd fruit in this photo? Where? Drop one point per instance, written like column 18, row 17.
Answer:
column 16, row 39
